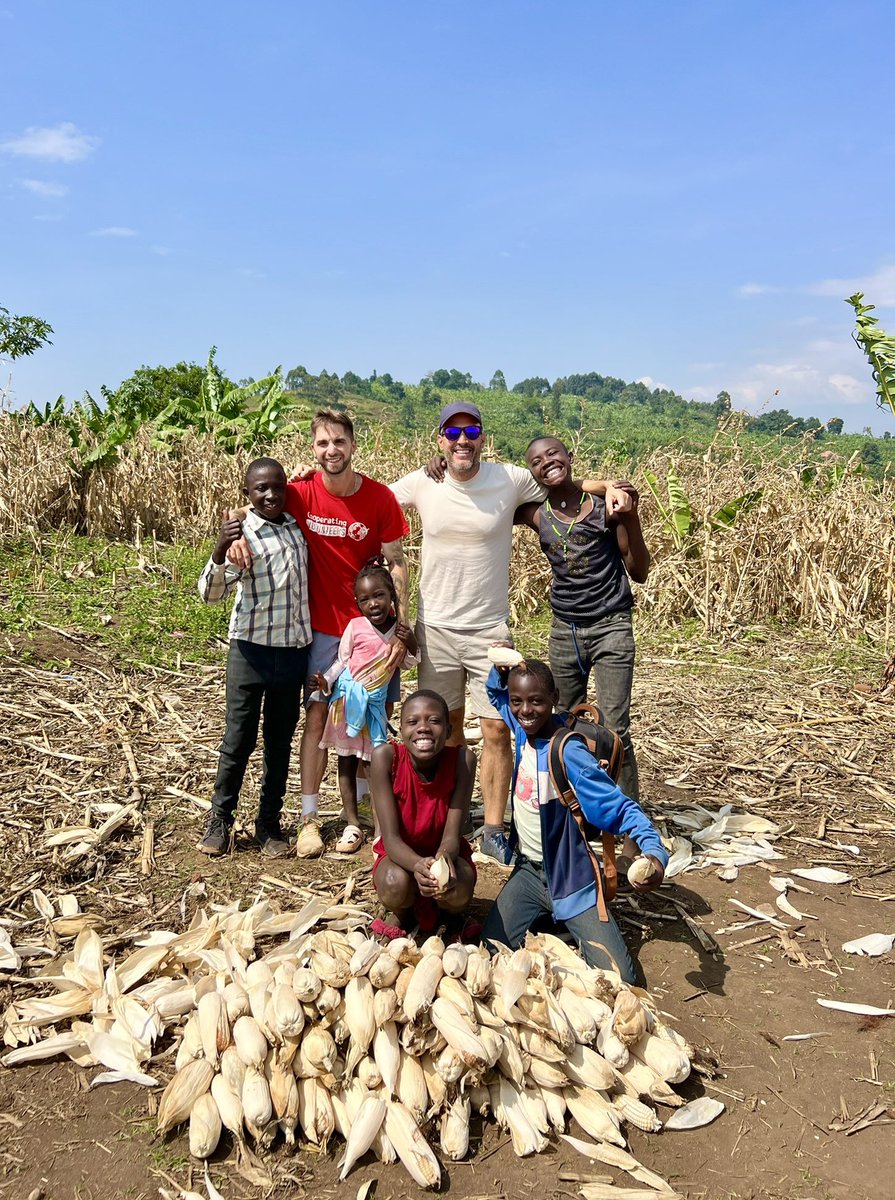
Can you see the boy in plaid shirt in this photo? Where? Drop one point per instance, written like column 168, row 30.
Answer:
column 270, row 629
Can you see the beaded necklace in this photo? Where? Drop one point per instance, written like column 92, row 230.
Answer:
column 563, row 538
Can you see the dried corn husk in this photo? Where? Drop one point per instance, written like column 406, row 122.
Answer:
column 441, row 872
column 413, row 1085
column 410, row 1145
column 364, row 1129
column 182, row 1092
column 422, row 985
column 454, row 960
column 455, row 1129
column 205, row 1126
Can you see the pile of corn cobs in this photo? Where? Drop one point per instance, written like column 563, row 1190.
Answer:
column 332, row 1031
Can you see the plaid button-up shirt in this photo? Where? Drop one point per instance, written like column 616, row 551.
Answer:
column 272, row 595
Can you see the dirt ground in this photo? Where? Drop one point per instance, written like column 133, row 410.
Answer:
column 805, row 1120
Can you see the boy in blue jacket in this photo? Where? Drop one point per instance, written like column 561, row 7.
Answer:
column 553, row 873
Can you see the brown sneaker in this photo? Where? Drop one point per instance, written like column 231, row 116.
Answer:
column 309, row 843
column 217, row 837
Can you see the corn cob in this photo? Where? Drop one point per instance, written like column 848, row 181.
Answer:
column 205, row 1126
column 422, row 986
column 436, row 1085
column 236, row 999
column 257, row 1106
column 411, row 1146
column 229, row 1105
column 614, row 1051
column 364, row 957
column 545, row 1074
column 182, row 1092
column 594, row 1114
column 413, row 1089
column 638, row 1114
column 526, row 1139
column 663, row 1057
column 477, row 974
column 628, row 1018
column 449, row 1065
column 454, row 961
column 306, row 985
column 446, row 1017
column 364, row 1129
column 555, row 1105
column 251, row 1044
column 385, row 1006
column 387, row 1055
column 455, row 1129
column 213, row 1026
column 405, row 951
column 233, row 1069
column 453, row 989
column 384, row 970
column 368, row 1073
column 190, row 1043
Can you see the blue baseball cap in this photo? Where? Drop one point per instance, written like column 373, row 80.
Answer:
column 456, row 410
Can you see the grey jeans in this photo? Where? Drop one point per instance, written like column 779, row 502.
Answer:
column 606, row 647
column 525, row 899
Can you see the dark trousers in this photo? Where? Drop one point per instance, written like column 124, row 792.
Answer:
column 606, row 647
column 272, row 677
column 525, row 900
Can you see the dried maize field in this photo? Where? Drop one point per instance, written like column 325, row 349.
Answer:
column 104, row 794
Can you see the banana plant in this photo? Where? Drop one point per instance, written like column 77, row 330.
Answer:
column 678, row 516
column 878, row 346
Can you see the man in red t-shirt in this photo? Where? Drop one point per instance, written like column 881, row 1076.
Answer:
column 347, row 519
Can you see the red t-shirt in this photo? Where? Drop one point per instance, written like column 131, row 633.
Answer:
column 343, row 533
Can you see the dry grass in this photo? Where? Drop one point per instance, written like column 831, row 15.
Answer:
column 821, row 554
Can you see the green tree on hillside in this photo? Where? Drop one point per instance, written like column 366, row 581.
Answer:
column 498, row 382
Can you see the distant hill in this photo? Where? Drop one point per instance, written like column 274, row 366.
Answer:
column 627, row 420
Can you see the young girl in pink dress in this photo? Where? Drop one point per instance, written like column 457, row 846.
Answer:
column 358, row 682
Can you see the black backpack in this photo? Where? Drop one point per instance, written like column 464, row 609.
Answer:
column 585, row 722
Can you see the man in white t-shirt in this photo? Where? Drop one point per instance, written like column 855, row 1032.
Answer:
column 464, row 589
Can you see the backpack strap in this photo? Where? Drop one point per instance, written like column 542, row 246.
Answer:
column 560, row 779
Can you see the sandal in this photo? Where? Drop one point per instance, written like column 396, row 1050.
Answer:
column 351, row 840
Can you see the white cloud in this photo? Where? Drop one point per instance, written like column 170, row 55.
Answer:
column 114, row 231
column 62, row 143
column 40, row 187
column 852, row 390
column 163, row 251
column 878, row 288
column 815, row 383
column 756, row 289
column 649, row 382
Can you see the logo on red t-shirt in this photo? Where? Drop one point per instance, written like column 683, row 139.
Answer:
column 358, row 531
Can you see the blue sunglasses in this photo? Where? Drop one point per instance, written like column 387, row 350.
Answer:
column 452, row 432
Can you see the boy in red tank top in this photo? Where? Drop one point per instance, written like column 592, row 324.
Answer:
column 421, row 790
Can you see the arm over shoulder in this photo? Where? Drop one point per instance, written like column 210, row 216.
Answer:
column 527, row 490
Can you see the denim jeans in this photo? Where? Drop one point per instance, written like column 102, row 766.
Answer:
column 272, row 677
column 605, row 646
column 525, row 899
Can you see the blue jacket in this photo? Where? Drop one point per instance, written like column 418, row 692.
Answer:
column 567, row 866
column 363, row 707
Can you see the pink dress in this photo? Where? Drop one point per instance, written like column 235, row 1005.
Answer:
column 364, row 651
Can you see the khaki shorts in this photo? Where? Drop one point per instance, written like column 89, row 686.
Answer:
column 453, row 661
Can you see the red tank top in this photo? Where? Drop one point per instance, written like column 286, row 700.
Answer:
column 423, row 804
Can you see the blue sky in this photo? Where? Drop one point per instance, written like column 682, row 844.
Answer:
column 676, row 192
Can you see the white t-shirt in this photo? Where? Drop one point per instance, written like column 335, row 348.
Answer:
column 467, row 538
column 533, row 788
